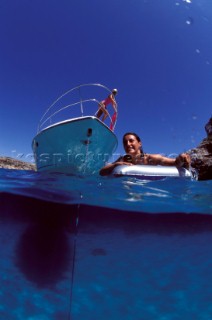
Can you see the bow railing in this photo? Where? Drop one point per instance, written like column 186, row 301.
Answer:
column 80, row 101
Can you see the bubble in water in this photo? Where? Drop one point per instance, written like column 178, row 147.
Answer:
column 190, row 21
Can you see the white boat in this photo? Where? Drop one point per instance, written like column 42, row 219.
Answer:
column 146, row 172
column 70, row 138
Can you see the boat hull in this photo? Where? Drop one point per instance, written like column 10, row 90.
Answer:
column 76, row 146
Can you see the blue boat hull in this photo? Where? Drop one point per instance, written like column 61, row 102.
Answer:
column 76, row 146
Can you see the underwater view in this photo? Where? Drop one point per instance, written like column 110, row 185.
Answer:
column 104, row 247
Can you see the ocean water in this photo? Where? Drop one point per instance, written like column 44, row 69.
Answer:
column 104, row 248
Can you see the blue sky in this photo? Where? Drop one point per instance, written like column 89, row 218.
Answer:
column 157, row 53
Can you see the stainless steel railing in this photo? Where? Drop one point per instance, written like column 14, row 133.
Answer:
column 87, row 105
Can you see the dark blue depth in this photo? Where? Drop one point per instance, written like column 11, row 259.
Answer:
column 61, row 261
